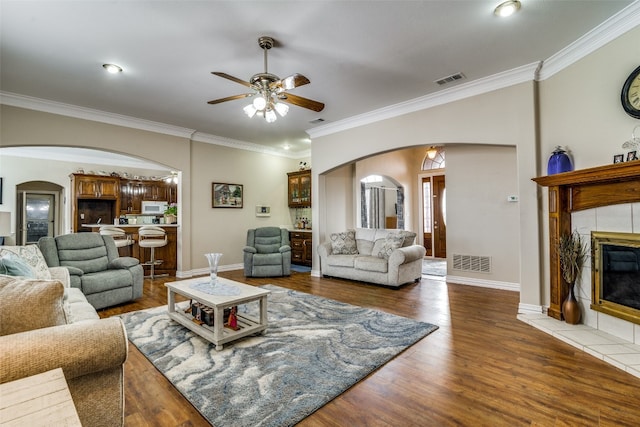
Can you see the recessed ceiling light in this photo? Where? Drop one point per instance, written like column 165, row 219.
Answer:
column 507, row 8
column 112, row 68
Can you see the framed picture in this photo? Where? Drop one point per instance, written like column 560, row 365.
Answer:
column 631, row 155
column 618, row 158
column 226, row 195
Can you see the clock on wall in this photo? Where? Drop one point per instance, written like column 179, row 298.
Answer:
column 630, row 96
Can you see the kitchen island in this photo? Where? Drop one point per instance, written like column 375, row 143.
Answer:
column 168, row 254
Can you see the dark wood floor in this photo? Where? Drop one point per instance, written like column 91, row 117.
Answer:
column 483, row 367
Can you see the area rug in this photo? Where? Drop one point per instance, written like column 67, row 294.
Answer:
column 313, row 350
column 434, row 267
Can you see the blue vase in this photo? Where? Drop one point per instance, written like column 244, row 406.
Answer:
column 559, row 162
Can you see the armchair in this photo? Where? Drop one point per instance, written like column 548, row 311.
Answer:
column 267, row 253
column 95, row 267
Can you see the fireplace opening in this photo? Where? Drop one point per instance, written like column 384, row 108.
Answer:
column 615, row 280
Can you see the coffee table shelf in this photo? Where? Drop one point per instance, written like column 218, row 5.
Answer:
column 218, row 334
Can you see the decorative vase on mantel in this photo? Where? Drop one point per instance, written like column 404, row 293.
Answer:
column 570, row 308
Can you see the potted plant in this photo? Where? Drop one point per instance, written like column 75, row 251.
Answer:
column 572, row 252
column 171, row 214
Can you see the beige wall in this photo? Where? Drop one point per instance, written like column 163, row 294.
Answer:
column 504, row 118
column 202, row 229
column 580, row 108
column 225, row 229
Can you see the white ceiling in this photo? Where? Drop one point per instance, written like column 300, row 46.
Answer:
column 360, row 56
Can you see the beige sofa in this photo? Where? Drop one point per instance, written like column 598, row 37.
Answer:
column 382, row 256
column 46, row 324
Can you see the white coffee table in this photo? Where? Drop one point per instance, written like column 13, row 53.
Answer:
column 218, row 333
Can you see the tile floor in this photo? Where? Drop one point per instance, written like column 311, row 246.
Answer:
column 613, row 350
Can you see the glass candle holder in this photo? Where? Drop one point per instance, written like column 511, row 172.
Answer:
column 214, row 260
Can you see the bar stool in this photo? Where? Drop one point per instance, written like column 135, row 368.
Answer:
column 152, row 237
column 120, row 237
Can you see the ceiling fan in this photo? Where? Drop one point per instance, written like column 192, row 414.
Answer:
column 270, row 91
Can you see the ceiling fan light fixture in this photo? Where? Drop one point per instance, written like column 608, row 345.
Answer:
column 281, row 108
column 250, row 110
column 270, row 116
column 259, row 102
column 507, row 8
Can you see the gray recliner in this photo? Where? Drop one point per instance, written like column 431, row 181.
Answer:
column 95, row 267
column 267, row 253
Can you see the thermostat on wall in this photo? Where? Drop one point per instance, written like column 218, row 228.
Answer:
column 262, row 210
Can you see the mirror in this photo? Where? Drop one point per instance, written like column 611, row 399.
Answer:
column 381, row 203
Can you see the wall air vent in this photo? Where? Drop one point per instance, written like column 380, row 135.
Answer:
column 480, row 264
column 451, row 78
column 316, row 121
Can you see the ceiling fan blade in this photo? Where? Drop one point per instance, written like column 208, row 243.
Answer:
column 230, row 98
column 233, row 79
column 301, row 102
column 290, row 82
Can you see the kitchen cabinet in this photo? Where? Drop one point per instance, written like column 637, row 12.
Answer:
column 95, row 187
column 95, row 198
column 299, row 189
column 130, row 197
column 155, row 190
column 301, row 247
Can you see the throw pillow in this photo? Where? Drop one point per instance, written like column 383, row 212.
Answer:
column 31, row 255
column 344, row 243
column 392, row 242
column 12, row 265
column 30, row 304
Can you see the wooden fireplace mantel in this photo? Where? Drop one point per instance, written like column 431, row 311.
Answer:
column 579, row 190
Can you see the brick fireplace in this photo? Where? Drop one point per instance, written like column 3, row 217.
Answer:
column 576, row 194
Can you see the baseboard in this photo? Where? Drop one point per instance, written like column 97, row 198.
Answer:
column 530, row 309
column 205, row 271
column 507, row 286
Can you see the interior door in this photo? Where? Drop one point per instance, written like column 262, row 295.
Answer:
column 38, row 217
column 439, row 217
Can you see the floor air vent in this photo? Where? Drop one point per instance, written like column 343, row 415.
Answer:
column 480, row 264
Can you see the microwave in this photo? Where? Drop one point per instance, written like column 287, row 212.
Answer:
column 154, row 208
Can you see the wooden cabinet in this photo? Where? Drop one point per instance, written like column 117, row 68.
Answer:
column 130, row 197
column 95, row 187
column 95, row 198
column 301, row 247
column 133, row 192
column 155, row 190
column 300, row 189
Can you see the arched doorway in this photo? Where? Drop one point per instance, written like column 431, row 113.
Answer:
column 38, row 211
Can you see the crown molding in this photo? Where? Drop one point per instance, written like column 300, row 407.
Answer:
column 620, row 23
column 508, row 78
column 247, row 146
column 31, row 103
column 37, row 104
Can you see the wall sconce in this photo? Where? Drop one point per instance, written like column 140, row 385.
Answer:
column 432, row 152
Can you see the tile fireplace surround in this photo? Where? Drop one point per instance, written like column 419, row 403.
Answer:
column 605, row 198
